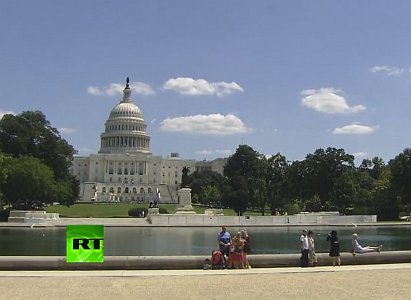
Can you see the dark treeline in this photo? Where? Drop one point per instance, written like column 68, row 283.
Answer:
column 325, row 180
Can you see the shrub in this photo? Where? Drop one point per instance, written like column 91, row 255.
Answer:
column 137, row 212
column 162, row 210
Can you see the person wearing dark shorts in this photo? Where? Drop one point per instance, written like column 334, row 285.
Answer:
column 332, row 238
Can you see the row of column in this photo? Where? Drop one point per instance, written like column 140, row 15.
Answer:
column 133, row 142
column 138, row 167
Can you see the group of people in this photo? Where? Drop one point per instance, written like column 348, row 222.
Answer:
column 309, row 258
column 234, row 250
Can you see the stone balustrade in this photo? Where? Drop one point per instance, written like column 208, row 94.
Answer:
column 22, row 216
column 191, row 262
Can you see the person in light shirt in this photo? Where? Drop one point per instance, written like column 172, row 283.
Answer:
column 357, row 248
column 304, row 249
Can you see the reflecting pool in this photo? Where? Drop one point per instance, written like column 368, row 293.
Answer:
column 196, row 240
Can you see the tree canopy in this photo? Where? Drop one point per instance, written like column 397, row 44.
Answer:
column 38, row 168
column 30, row 133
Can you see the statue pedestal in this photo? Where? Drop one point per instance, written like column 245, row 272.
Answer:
column 184, row 202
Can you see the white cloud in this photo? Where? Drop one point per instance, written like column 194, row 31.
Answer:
column 5, row 112
column 205, row 152
column 117, row 89
column 214, row 124
column 226, row 152
column 389, row 71
column 66, row 130
column 328, row 100
column 361, row 154
column 355, row 129
column 194, row 87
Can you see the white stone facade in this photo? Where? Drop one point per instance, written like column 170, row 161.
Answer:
column 125, row 170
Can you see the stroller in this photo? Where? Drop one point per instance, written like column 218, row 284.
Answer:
column 217, row 260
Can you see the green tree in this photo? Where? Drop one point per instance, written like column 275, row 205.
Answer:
column 198, row 181
column 29, row 180
column 244, row 162
column 30, row 133
column 401, row 176
column 212, row 195
column 351, row 190
column 236, row 194
column 278, row 186
column 320, row 170
column 373, row 167
column 4, row 170
column 384, row 202
column 248, row 166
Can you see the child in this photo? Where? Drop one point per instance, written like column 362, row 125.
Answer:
column 207, row 264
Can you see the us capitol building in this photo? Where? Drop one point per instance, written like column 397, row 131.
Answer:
column 124, row 170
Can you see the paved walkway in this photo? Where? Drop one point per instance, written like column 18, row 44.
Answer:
column 347, row 282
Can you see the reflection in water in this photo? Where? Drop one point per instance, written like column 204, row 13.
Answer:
column 196, row 240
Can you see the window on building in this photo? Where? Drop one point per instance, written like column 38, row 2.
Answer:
column 112, row 190
column 126, row 190
column 119, row 190
column 134, row 190
column 103, row 190
column 142, row 191
column 150, row 191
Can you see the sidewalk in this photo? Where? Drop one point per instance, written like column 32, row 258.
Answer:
column 347, row 282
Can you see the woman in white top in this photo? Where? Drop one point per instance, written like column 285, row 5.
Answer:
column 312, row 257
column 357, row 248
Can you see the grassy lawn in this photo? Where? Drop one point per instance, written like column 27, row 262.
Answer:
column 113, row 210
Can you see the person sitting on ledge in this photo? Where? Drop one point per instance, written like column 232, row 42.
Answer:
column 357, row 248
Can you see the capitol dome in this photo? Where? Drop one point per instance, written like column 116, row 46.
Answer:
column 124, row 109
column 125, row 129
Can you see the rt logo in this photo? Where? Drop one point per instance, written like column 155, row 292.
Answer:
column 85, row 243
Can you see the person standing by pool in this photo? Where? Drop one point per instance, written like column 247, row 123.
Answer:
column 334, row 247
column 304, row 249
column 246, row 248
column 357, row 248
column 224, row 242
column 312, row 257
column 236, row 253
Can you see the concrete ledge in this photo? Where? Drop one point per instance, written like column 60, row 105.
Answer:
column 191, row 262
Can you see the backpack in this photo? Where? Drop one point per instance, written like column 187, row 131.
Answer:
column 217, row 259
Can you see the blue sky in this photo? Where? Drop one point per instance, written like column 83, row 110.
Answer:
column 280, row 76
